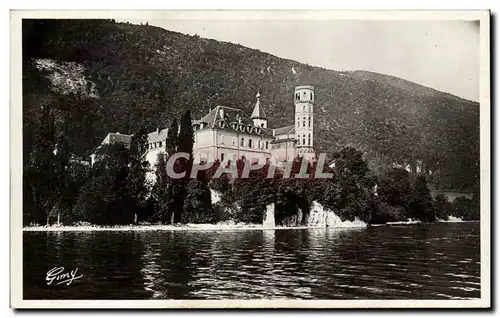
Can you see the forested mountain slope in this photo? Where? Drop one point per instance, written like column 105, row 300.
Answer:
column 104, row 76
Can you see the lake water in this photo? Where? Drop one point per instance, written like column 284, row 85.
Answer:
column 438, row 261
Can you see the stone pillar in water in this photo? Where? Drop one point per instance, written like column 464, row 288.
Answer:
column 269, row 217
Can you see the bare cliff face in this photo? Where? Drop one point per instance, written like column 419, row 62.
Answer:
column 105, row 76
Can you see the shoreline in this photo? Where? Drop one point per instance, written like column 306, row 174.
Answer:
column 206, row 227
column 158, row 227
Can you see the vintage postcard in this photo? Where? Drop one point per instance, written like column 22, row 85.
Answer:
column 250, row 159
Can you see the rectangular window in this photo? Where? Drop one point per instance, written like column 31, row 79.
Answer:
column 234, row 141
column 221, row 157
column 222, row 139
column 267, row 145
column 242, row 143
column 160, row 143
column 249, row 143
column 258, row 144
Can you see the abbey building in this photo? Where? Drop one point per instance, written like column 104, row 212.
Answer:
column 229, row 133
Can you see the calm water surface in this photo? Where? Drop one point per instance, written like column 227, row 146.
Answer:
column 439, row 261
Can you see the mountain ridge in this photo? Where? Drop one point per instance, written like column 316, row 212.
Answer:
column 148, row 75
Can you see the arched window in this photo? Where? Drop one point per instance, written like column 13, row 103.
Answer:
column 304, row 140
column 309, row 140
column 309, row 122
column 298, row 122
column 304, row 108
column 303, row 121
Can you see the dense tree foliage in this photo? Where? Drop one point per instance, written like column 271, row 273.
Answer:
column 106, row 198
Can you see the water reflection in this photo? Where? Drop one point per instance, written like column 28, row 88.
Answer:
column 411, row 262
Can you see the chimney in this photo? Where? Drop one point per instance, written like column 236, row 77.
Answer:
column 157, row 130
column 274, row 132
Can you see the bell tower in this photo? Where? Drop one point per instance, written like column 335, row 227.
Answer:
column 258, row 116
column 304, row 121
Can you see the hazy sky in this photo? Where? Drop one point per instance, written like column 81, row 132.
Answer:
column 440, row 54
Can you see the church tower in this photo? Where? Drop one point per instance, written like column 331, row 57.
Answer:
column 304, row 132
column 258, row 116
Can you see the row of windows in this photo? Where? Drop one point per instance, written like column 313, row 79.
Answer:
column 155, row 145
column 304, row 96
column 304, row 140
column 247, row 142
column 304, row 122
column 250, row 144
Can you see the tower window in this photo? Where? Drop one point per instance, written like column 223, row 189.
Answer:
column 304, row 140
column 303, row 122
column 309, row 121
column 309, row 140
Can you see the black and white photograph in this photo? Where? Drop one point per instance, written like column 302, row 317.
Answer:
column 250, row 159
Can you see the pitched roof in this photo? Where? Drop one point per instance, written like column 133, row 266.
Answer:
column 258, row 111
column 113, row 138
column 231, row 119
column 158, row 135
column 284, row 130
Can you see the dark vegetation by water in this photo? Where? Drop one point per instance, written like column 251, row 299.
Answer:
column 143, row 77
column 115, row 189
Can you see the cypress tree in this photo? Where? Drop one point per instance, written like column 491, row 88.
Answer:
column 139, row 166
column 421, row 204
column 179, row 187
column 172, row 138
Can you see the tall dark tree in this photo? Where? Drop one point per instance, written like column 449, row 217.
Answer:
column 186, row 134
column 172, row 138
column 41, row 178
column 394, row 195
column 179, row 186
column 139, row 166
column 161, row 191
column 421, row 204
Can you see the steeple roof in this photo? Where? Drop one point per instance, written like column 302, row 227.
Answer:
column 258, row 111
